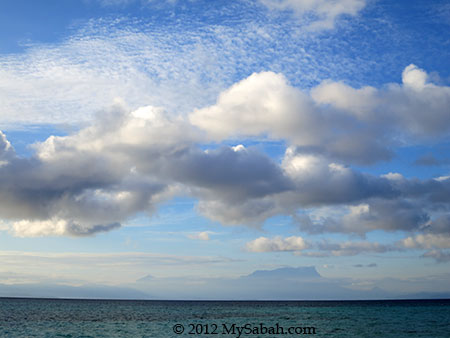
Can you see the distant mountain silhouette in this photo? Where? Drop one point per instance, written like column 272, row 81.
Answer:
column 299, row 272
column 145, row 279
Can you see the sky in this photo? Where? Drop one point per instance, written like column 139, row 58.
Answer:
column 227, row 149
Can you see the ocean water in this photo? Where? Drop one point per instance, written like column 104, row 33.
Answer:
column 22, row 317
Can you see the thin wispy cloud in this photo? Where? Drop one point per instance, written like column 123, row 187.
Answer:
column 109, row 268
column 319, row 14
column 179, row 67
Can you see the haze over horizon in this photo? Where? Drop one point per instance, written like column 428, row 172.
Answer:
column 194, row 149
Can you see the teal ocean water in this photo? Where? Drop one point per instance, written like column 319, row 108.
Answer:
column 21, row 317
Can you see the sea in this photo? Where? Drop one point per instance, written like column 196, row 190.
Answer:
column 29, row 317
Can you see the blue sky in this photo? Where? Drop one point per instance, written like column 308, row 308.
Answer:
column 172, row 148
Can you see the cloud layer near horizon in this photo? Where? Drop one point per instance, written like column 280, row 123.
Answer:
column 129, row 162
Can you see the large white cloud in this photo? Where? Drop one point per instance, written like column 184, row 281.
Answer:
column 353, row 125
column 92, row 180
column 262, row 103
column 415, row 108
column 129, row 161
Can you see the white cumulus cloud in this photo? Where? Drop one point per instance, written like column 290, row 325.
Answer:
column 426, row 241
column 264, row 244
column 203, row 236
